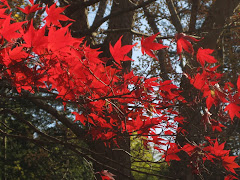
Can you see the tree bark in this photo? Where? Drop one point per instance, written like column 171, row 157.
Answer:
column 77, row 12
column 217, row 17
column 119, row 154
column 194, row 12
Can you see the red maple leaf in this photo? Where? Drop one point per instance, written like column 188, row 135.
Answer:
column 238, row 83
column 229, row 164
column 210, row 98
column 31, row 1
column 171, row 153
column 8, row 30
column 80, row 117
column 30, row 9
column 204, row 55
column 35, row 38
column 214, row 95
column 184, row 42
column 2, row 14
column 189, row 149
column 11, row 56
column 218, row 149
column 233, row 107
column 107, row 175
column 5, row 3
column 148, row 45
column 233, row 110
column 54, row 15
column 60, row 39
column 215, row 150
column 230, row 177
column 119, row 52
column 219, row 152
column 16, row 54
column 216, row 125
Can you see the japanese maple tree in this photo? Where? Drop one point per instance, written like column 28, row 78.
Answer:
column 111, row 103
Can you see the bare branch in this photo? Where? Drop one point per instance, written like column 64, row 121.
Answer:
column 101, row 10
column 29, row 124
column 174, row 16
column 100, row 22
column 79, row 132
column 194, row 12
column 91, row 2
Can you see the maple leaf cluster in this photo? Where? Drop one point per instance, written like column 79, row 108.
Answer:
column 109, row 101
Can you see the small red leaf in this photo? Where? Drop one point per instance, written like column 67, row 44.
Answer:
column 119, row 52
column 30, row 9
column 238, row 83
column 171, row 153
column 184, row 42
column 54, row 15
column 107, row 175
column 204, row 55
column 8, row 30
column 148, row 45
column 230, row 177
column 229, row 164
column 80, row 118
column 233, row 110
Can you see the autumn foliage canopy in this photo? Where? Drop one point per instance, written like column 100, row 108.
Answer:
column 109, row 102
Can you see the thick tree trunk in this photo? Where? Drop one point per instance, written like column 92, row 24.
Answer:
column 123, row 21
column 119, row 154
column 77, row 12
column 216, row 20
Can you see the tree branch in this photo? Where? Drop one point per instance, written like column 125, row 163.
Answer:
column 100, row 22
column 101, row 10
column 194, row 12
column 174, row 16
column 91, row 2
column 163, row 37
column 79, row 132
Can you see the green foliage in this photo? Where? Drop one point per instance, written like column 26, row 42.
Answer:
column 146, row 160
column 25, row 160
